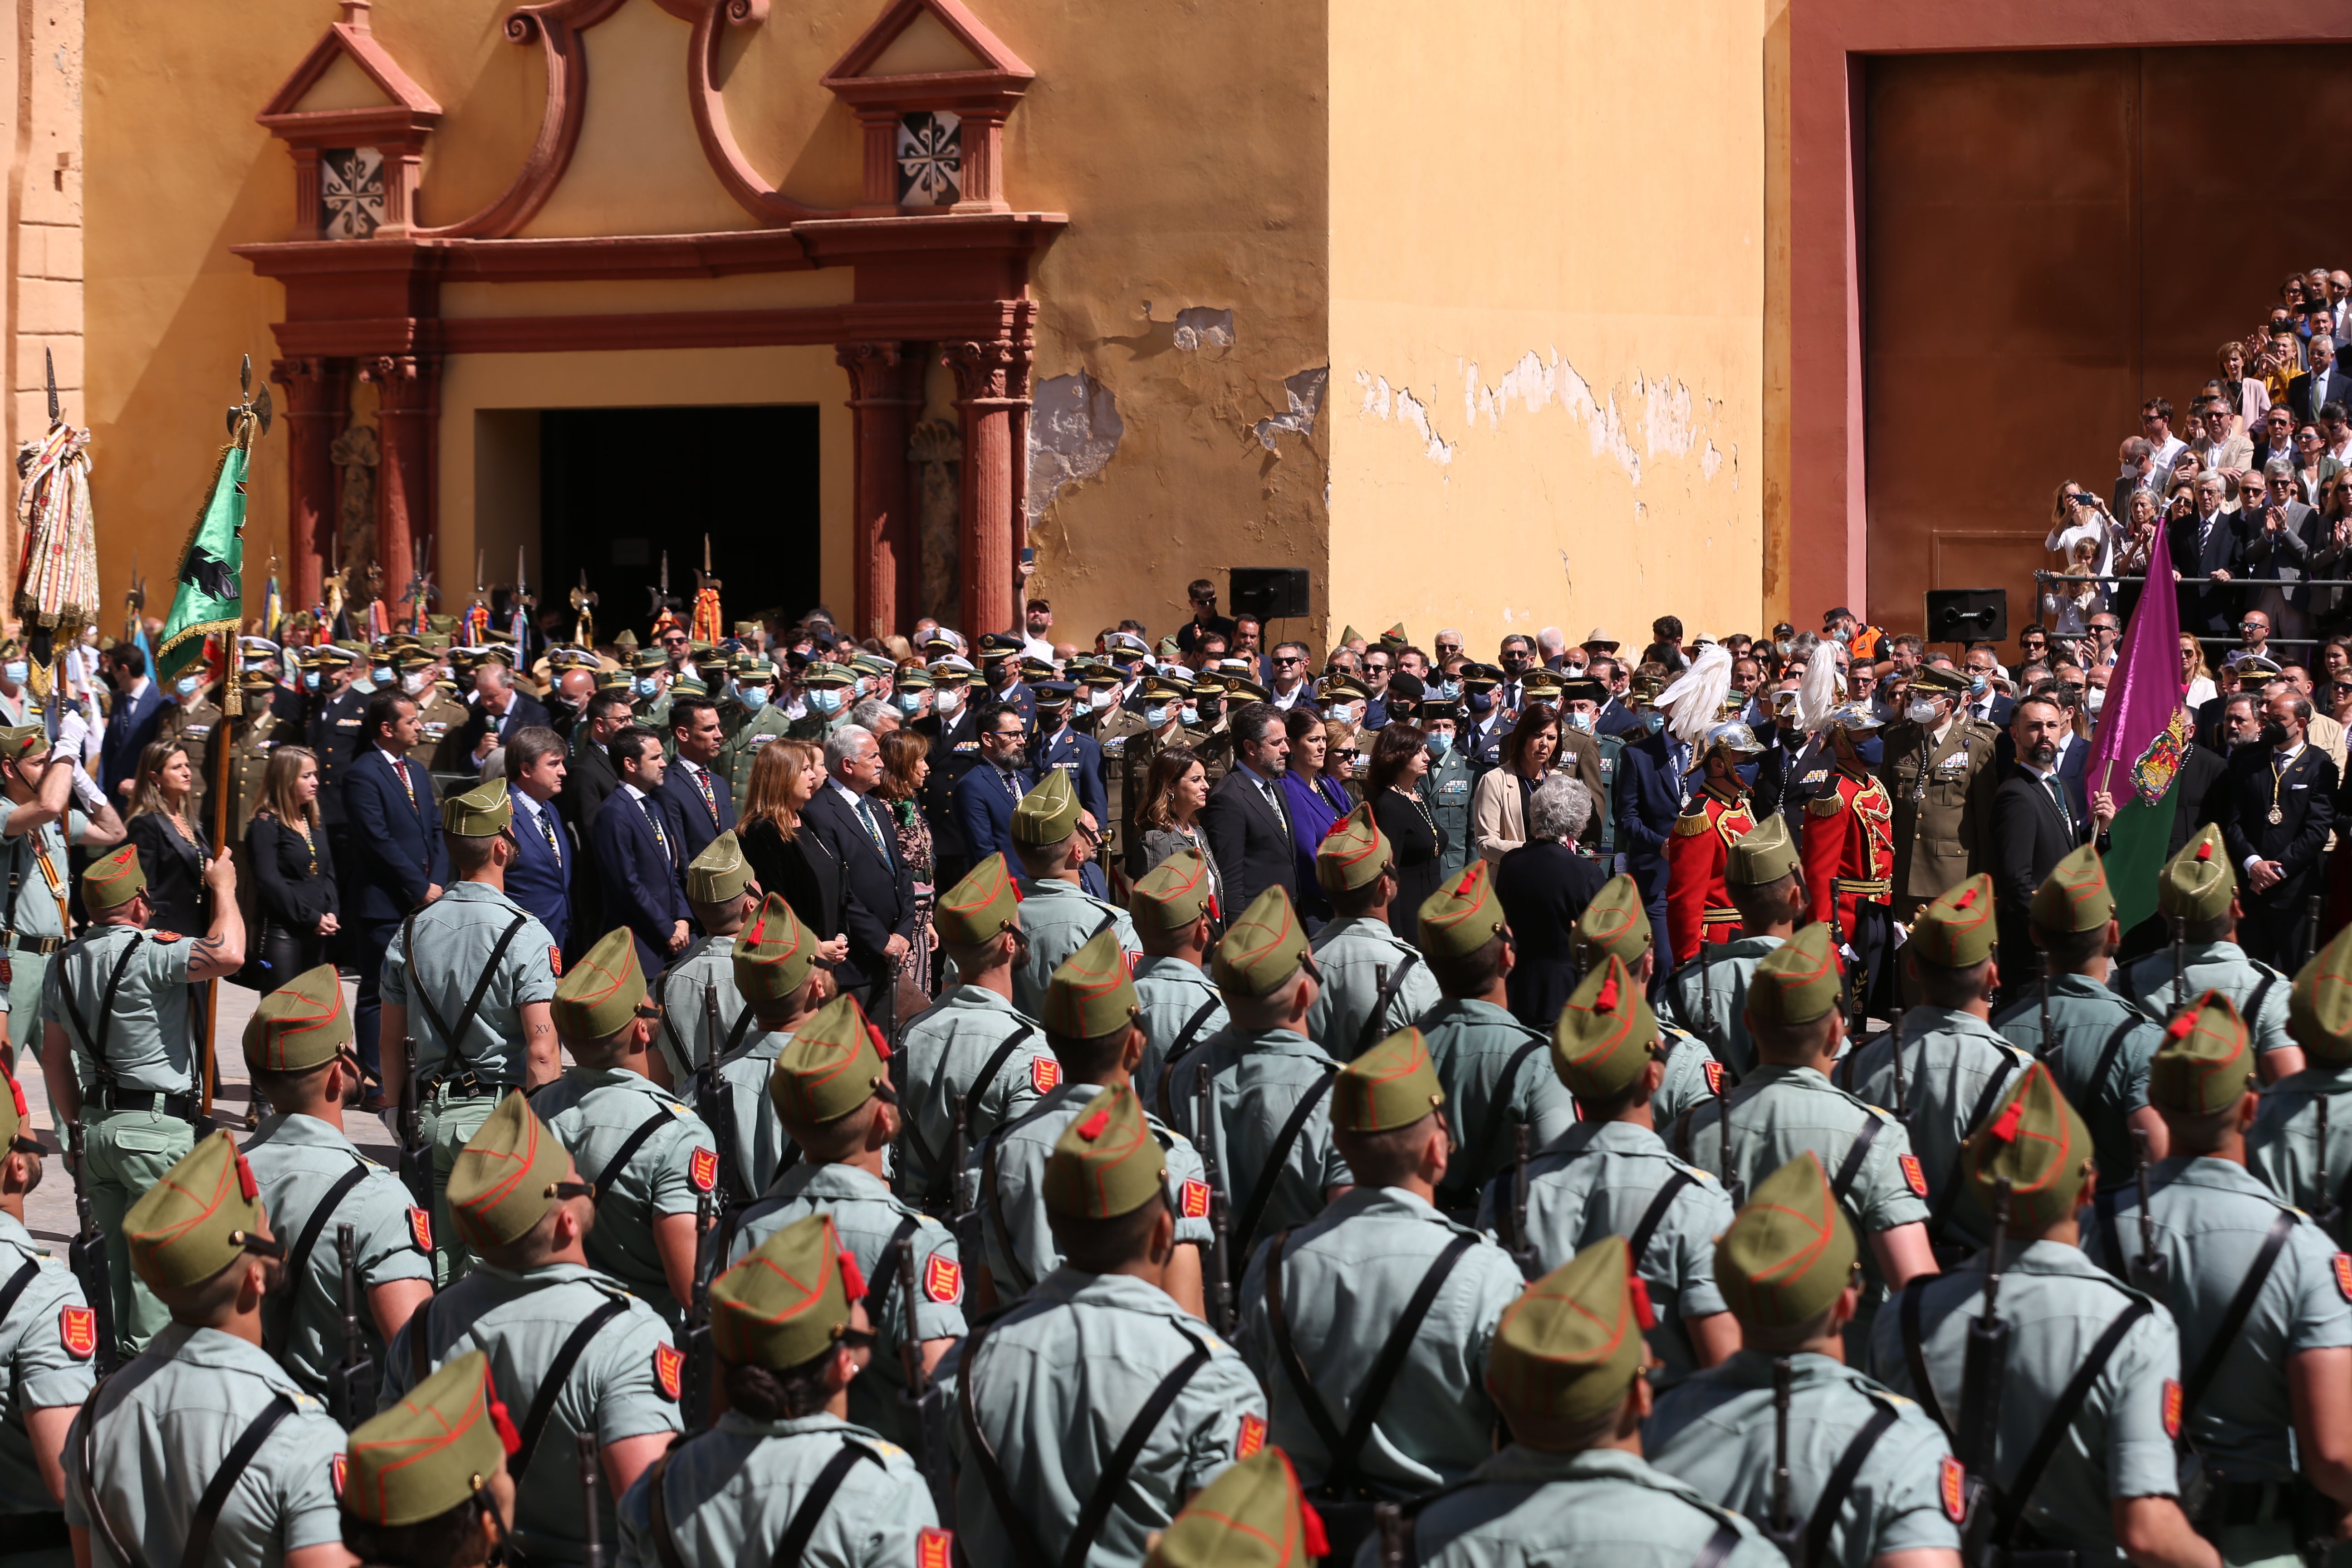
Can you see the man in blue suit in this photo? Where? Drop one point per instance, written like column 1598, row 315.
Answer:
column 638, row 864
column 1080, row 756
column 984, row 797
column 399, row 864
column 878, row 909
column 701, row 805
column 540, row 877
column 138, row 713
column 1651, row 784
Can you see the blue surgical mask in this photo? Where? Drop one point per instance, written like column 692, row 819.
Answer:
column 824, row 699
column 1439, row 743
column 380, row 674
column 1872, row 750
column 647, row 685
column 1580, row 721
column 1154, row 717
column 1978, row 684
column 16, row 671
column 311, row 680
column 752, row 698
column 1653, row 721
column 910, row 703
column 1841, row 634
column 187, row 684
column 1189, row 714
column 1448, row 690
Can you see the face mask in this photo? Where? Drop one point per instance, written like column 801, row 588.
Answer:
column 1448, row 690
column 1653, row 721
column 311, row 680
column 752, row 698
column 647, row 686
column 2273, row 733
column 1189, row 714
column 187, row 684
column 16, row 671
column 1101, row 698
column 1155, row 717
column 1571, row 671
column 910, row 703
column 1841, row 634
column 380, row 674
column 1871, row 750
column 824, row 699
column 1978, row 684
column 1920, row 713
column 1782, row 647
column 947, row 699
column 1341, row 712
column 2095, row 699
column 412, row 684
column 1580, row 721
column 1439, row 743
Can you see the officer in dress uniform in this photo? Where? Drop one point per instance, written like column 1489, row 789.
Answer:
column 314, row 1181
column 1101, row 719
column 46, row 804
column 785, row 1476
column 1698, row 849
column 2101, row 1044
column 2117, row 1465
column 1175, row 920
column 1573, row 1486
column 2198, row 892
column 1057, row 915
column 1611, row 1174
column 1269, row 1121
column 2250, row 1374
column 119, row 1051
column 1050, row 1387
column 154, row 1445
column 259, row 736
column 955, row 748
column 1211, row 726
column 472, row 942
column 1090, row 1013
column 333, row 729
column 762, row 721
column 190, row 723
column 563, row 1337
column 1445, row 789
column 1323, row 1301
column 1850, row 851
column 1059, row 744
column 1950, row 1067
column 2298, row 1114
column 651, row 1160
column 425, row 1483
column 48, row 1337
column 440, row 715
column 1709, row 996
column 1788, row 1267
column 776, row 972
column 1941, row 776
column 1374, row 982
column 1164, row 697
column 723, row 895
column 974, row 1059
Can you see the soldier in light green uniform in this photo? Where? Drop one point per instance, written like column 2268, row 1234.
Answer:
column 2251, row 1386
column 1955, row 1066
column 1054, row 1384
column 777, row 973
column 426, row 1483
column 433, row 967
column 314, row 1181
column 2118, row 1459
column 2198, row 889
column 1058, row 916
column 974, row 1061
column 2102, row 1043
column 650, row 1160
column 1615, row 924
column 1445, row 787
column 39, row 818
column 1254, row 1515
column 1787, row 1266
column 2284, row 1147
column 47, row 1343
column 148, row 1448
column 1709, row 995
column 119, row 1051
column 1487, row 1060
column 832, row 1095
column 699, row 983
column 546, row 1318
column 1610, row 1174
column 1090, row 1018
column 1262, row 1072
column 1572, row 1487
column 1321, row 1302
column 1174, row 910
column 1374, row 982
column 793, row 1345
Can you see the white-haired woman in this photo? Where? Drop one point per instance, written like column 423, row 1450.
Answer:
column 1544, row 885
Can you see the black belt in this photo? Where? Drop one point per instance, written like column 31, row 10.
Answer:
column 467, row 1085
column 28, row 1533
column 186, row 1107
column 41, row 945
column 2248, row 1502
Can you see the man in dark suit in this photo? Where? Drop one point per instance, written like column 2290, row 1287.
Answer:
column 1986, row 702
column 701, row 804
column 2205, row 548
column 2325, row 381
column 138, row 714
column 540, row 877
column 2280, row 806
column 2035, row 825
column 1652, row 776
column 1246, row 821
column 2280, row 535
column 399, row 864
column 589, row 777
column 499, row 710
column 984, row 797
column 639, row 871
column 878, row 888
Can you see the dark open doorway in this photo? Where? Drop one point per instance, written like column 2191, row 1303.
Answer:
column 619, row 485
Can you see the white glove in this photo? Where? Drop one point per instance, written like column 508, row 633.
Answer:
column 86, row 790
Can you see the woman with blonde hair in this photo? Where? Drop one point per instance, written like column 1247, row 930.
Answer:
column 785, row 776
column 172, row 850
column 2196, row 680
column 293, row 870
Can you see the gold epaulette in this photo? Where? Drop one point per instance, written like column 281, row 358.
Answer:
column 1827, row 804
column 1691, row 823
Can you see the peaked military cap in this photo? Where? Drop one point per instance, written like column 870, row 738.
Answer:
column 1353, row 854
column 503, row 1180
column 774, row 954
column 1053, row 693
column 720, row 874
column 2206, row 1063
column 1797, row 980
column 196, row 1221
column 1176, row 892
column 2198, row 883
column 787, row 1302
column 2039, row 1145
column 1091, row 993
column 1165, row 689
column 19, row 742
column 435, row 1449
column 995, row 646
column 113, row 879
column 832, row 1064
column 822, row 673
column 1105, row 1163
column 1568, row 1348
column 913, row 678
column 1615, row 923
column 981, row 907
column 1393, row 1084
column 1049, row 814
column 1603, row 1037
column 1263, row 949
column 1254, row 1515
column 1463, row 916
column 1938, row 680
column 2319, row 1007
column 301, row 1025
column 1764, row 854
column 1956, row 930
column 1789, row 1252
column 646, row 661
column 2073, row 897
column 598, row 995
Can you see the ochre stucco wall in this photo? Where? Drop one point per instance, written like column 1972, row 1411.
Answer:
column 1546, row 279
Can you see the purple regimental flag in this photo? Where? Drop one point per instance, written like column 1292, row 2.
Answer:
column 2143, row 732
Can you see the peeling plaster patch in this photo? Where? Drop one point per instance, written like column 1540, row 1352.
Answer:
column 1710, row 459
column 1666, row 417
column 1306, row 393
column 1199, row 327
column 1073, row 432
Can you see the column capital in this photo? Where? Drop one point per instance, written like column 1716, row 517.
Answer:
column 406, row 381
column 878, row 372
column 314, row 383
column 995, row 371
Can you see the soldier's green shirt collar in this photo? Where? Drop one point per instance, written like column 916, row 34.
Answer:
column 289, row 1127
column 803, row 1180
column 2055, row 1258
column 1383, row 1202
column 545, row 1274
column 1519, row 1463
column 2204, row 953
column 1920, row 1022
column 1774, row 1072
column 1052, row 888
column 1469, row 1009
column 478, row 893
column 981, row 997
column 1123, row 1292
column 1366, row 924
column 2204, row 1170
column 1753, row 1369
column 14, row 1234
column 1610, row 1138
column 743, row 1426
column 607, row 1077
column 193, row 1346
column 2081, row 985
column 1745, row 947
column 1159, row 968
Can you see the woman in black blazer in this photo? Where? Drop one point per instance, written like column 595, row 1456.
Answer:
column 172, row 847
column 1543, row 885
column 293, row 870
column 785, row 775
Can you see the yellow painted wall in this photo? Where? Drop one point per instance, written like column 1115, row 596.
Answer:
column 1546, row 302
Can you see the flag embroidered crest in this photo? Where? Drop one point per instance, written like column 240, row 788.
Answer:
column 2172, row 1409
column 942, row 1280
column 702, row 1170
column 1251, row 1439
column 77, row 1327
column 1951, row 1487
column 1045, row 1073
column 1193, row 1200
column 420, row 1227
column 669, row 1370
column 1913, row 1176
column 934, row 1548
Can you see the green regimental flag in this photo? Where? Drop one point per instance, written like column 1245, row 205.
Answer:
column 210, row 596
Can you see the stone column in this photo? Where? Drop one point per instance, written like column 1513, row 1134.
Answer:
column 884, row 392
column 991, row 388
column 314, row 412
column 407, row 414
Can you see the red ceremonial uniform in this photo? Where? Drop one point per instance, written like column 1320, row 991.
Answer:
column 1849, row 847
column 1698, row 899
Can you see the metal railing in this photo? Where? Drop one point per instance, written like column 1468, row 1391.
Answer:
column 2042, row 579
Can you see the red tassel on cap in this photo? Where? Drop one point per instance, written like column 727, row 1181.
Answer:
column 508, row 1438
column 853, row 1279
column 1215, row 912
column 1965, row 899
column 17, row 1089
column 881, row 1045
column 1644, row 1313
column 245, row 1184
column 1467, row 878
column 1092, row 1127
column 1311, row 1535
column 2205, row 850
column 2005, row 1126
column 1333, row 831
column 1607, row 1001
column 2178, row 1029
column 1016, row 890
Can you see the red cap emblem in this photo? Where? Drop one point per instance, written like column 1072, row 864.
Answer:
column 1913, row 1176
column 702, row 1169
column 77, row 1328
column 934, row 1548
column 1952, row 1489
column 420, row 1227
column 1044, row 1074
column 669, row 1370
column 2172, row 1409
column 2344, row 1274
column 338, row 1469
column 942, row 1279
column 1251, row 1439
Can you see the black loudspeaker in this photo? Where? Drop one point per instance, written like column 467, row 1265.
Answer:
column 1968, row 615
column 1269, row 593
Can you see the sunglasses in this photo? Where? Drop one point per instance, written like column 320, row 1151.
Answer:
column 259, row 1245
column 564, row 1192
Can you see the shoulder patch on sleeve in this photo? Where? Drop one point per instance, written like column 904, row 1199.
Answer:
column 163, row 936
column 556, row 960
column 77, row 1327
column 934, row 1548
column 2172, row 1408
column 338, row 1468
column 942, row 1280
column 669, row 1370
column 1714, row 1070
column 702, row 1169
column 1192, row 1200
column 1952, row 1489
column 2343, row 1269
column 420, row 1229
column 1913, row 1176
column 1044, row 1074
column 1251, row 1438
